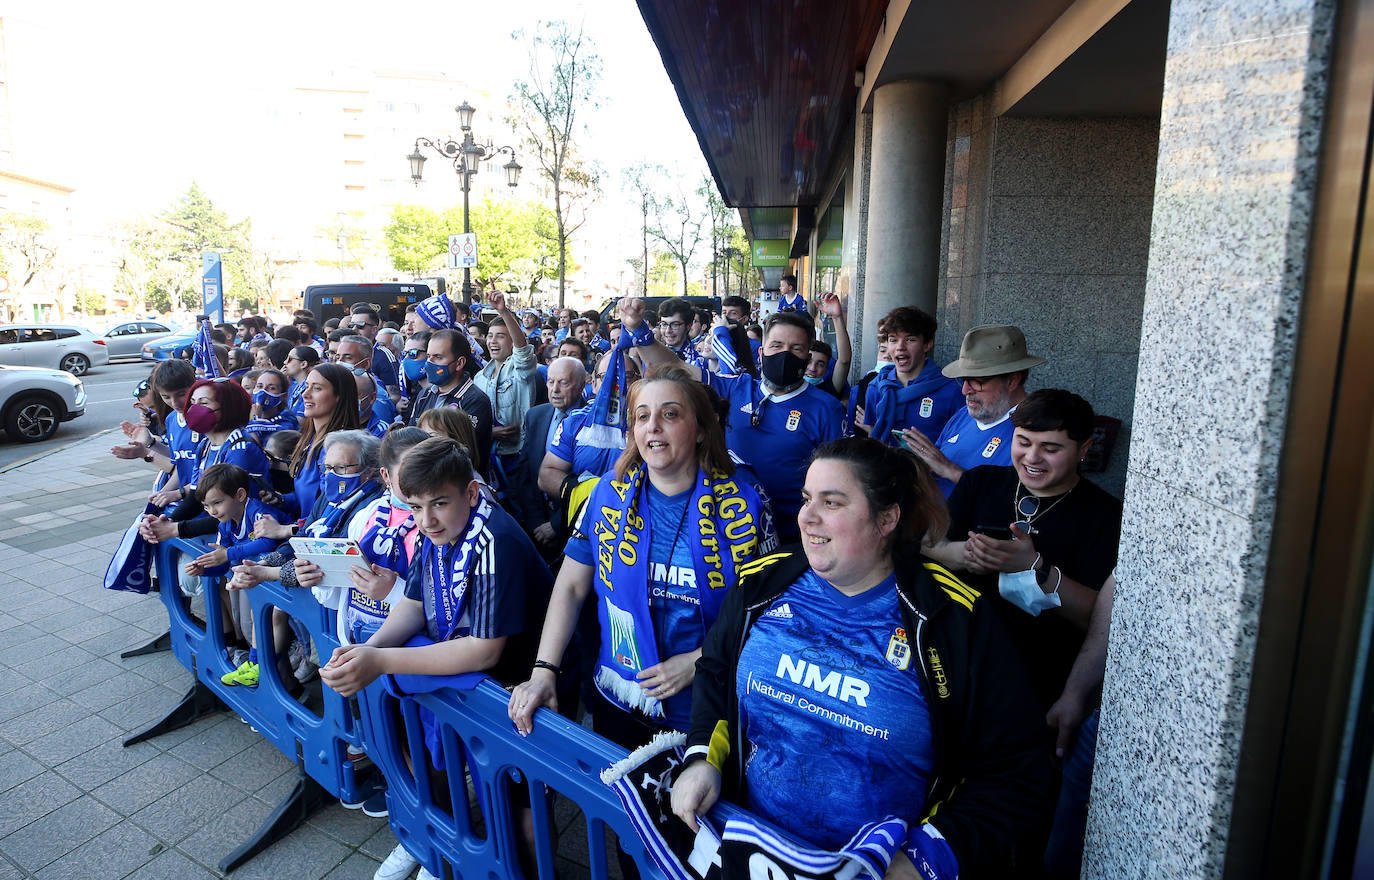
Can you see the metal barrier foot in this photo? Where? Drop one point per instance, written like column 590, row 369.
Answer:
column 295, row 808
column 161, row 643
column 198, row 702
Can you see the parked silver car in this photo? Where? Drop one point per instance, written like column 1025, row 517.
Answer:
column 34, row 401
column 128, row 338
column 74, row 349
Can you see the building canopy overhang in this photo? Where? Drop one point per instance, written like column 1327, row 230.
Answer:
column 771, row 90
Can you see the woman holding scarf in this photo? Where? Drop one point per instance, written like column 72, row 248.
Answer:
column 921, row 713
column 659, row 545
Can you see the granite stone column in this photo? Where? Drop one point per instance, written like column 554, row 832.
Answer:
column 905, row 200
column 1240, row 131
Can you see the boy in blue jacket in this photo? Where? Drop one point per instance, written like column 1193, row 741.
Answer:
column 226, row 492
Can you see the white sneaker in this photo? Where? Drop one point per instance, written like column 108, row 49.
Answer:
column 398, row 866
column 425, row 875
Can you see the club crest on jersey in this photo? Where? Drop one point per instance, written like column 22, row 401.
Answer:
column 991, row 448
column 927, row 407
column 793, row 419
column 898, row 650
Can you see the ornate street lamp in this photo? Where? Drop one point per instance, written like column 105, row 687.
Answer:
column 467, row 156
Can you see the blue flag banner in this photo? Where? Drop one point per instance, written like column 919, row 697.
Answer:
column 212, row 285
column 203, row 353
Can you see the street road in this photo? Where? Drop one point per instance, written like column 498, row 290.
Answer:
column 109, row 401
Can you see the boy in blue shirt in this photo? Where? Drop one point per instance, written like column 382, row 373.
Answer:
column 476, row 588
column 224, row 489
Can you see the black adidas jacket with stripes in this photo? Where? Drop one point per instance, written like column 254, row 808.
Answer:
column 992, row 778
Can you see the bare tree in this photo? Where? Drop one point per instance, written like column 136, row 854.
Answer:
column 679, row 223
column 29, row 250
column 564, row 73
column 643, row 179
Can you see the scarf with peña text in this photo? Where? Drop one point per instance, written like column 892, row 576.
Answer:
column 728, row 520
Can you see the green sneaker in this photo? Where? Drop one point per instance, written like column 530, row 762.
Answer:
column 246, row 675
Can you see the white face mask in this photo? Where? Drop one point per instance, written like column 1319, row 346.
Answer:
column 878, row 365
column 1021, row 589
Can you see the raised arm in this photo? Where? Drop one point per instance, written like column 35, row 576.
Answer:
column 832, row 308
column 631, row 318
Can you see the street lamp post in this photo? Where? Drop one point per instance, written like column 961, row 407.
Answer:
column 467, row 156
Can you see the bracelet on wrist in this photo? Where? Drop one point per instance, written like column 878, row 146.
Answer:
column 544, row 664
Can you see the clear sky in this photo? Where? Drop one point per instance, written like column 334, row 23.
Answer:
column 129, row 101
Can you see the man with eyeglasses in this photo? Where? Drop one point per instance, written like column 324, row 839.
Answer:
column 364, row 320
column 993, row 366
column 675, row 319
column 578, row 446
column 356, row 353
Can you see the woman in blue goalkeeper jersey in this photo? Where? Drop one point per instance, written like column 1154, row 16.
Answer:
column 856, row 681
column 658, row 547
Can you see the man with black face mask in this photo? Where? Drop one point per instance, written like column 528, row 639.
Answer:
column 775, row 422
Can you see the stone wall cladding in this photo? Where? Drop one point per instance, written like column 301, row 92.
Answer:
column 1245, row 86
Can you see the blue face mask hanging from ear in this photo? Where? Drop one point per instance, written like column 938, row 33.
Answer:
column 814, row 380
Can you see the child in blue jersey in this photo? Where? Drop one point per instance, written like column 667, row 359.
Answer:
column 855, row 682
column 226, row 492
column 789, row 298
column 270, row 410
column 473, row 580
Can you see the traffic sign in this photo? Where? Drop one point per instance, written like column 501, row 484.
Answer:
column 462, row 251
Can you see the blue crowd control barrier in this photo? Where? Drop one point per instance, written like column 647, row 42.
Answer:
column 477, row 734
column 316, row 743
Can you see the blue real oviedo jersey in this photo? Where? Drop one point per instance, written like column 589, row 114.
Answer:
column 836, row 728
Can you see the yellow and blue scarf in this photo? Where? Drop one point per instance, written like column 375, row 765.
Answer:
column 726, row 518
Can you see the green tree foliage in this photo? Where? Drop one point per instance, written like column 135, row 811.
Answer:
column 564, row 73
column 517, row 242
column 416, row 237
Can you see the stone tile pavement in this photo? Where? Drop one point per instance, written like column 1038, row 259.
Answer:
column 74, row 803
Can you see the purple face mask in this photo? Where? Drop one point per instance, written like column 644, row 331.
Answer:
column 201, row 419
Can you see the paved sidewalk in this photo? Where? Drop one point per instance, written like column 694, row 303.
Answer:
column 73, row 802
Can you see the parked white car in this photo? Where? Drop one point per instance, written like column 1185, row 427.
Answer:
column 59, row 347
column 35, row 400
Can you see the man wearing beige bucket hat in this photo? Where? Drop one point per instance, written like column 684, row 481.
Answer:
column 993, row 365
